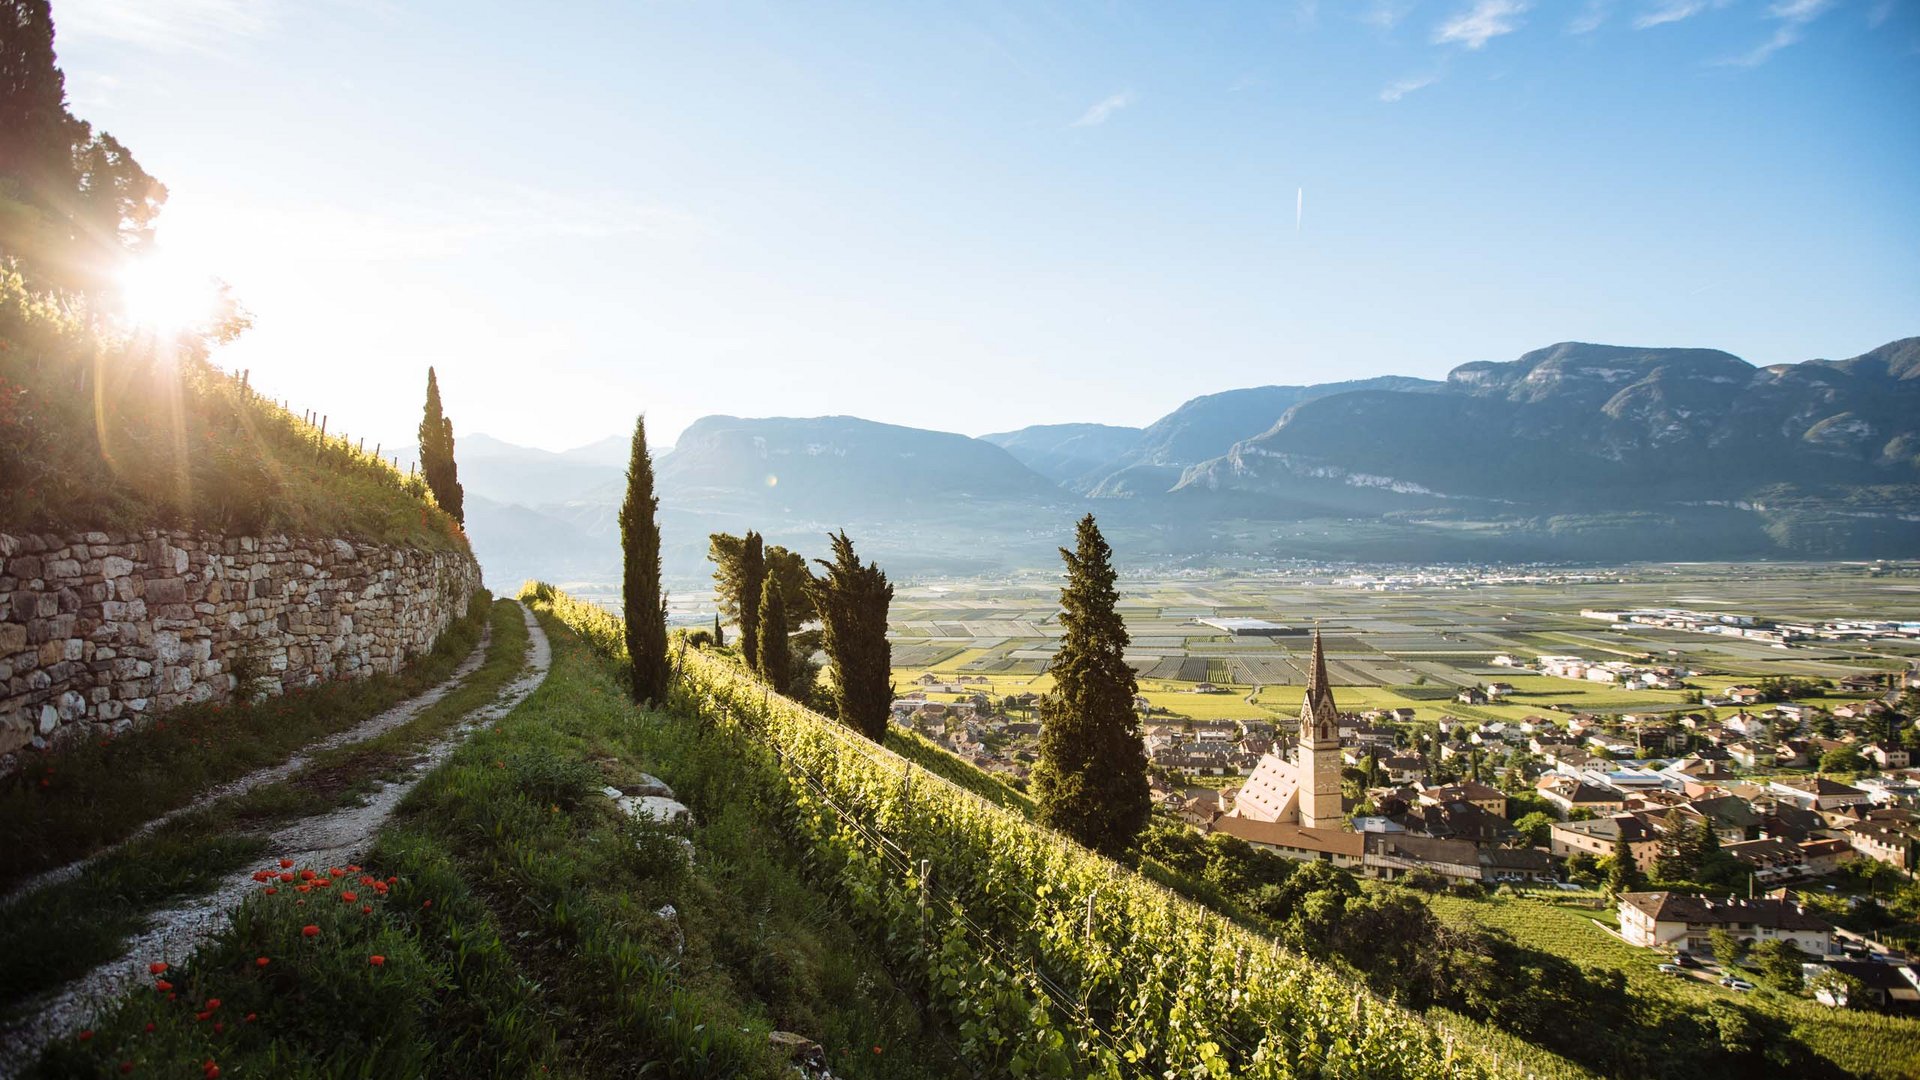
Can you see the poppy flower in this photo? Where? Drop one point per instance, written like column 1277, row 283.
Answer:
column 309, row 930
column 156, row 967
column 250, row 1017
column 377, row 960
column 271, row 890
column 353, row 869
column 303, row 888
column 126, row 1067
column 349, row 897
column 210, row 1070
column 426, row 903
column 162, row 984
column 306, row 875
column 286, row 864
column 213, row 1003
column 366, row 909
column 202, row 1016
column 85, row 1035
column 261, row 962
column 149, row 1027
column 219, row 1027
column 288, row 876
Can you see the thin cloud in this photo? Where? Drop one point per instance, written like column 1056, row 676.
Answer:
column 1669, row 13
column 1486, row 20
column 1591, row 17
column 1793, row 15
column 1386, row 14
column 164, row 25
column 1099, row 111
column 1394, row 91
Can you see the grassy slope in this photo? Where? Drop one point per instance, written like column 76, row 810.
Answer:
column 64, row 930
column 102, row 431
column 65, row 805
column 519, row 936
column 1863, row 1044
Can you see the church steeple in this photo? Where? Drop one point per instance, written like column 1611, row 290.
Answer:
column 1318, row 756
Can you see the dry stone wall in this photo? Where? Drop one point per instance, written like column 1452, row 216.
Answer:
column 100, row 632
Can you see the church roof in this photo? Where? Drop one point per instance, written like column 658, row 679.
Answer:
column 1319, row 702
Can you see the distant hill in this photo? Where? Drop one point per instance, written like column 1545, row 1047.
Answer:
column 1572, row 452
column 1065, row 452
column 1207, row 427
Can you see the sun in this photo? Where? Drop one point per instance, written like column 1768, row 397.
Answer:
column 162, row 294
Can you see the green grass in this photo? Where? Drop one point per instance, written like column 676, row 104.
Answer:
column 66, row 805
column 104, row 431
column 63, row 930
column 519, row 934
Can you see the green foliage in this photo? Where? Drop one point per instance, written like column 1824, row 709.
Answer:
column 1623, row 874
column 1090, row 781
column 1536, row 828
column 852, row 599
column 1006, row 950
column 644, row 602
column 1779, row 964
column 436, row 455
column 776, row 652
column 751, row 581
column 1842, row 759
column 1728, row 949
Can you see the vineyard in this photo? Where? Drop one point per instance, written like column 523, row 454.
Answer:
column 1046, row 959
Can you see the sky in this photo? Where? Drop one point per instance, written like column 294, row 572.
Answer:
column 978, row 216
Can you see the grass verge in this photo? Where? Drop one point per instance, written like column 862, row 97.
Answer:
column 64, row 930
column 67, row 805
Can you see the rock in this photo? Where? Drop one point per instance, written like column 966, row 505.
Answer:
column 655, row 808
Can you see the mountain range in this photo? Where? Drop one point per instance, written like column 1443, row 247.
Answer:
column 1574, row 452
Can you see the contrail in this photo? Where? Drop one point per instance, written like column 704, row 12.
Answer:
column 1299, row 207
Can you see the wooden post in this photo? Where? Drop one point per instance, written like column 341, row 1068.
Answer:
column 926, row 881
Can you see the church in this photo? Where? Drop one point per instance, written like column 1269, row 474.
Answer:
column 1294, row 807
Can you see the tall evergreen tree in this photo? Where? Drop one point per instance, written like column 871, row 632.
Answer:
column 1091, row 779
column 1623, row 875
column 753, row 578
column 436, row 455
column 776, row 652
column 851, row 599
column 719, row 635
column 645, row 605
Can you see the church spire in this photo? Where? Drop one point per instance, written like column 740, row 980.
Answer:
column 1319, row 704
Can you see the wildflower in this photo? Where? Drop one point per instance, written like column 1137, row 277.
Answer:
column 149, row 1027
column 218, row 1027
column 85, row 1035
column 349, row 897
column 162, row 985
column 366, row 909
column 251, row 1016
column 156, row 967
column 377, row 960
column 353, row 869
column 261, row 962
column 210, row 1070
column 271, row 890
column 876, row 1049
column 426, row 903
column 202, row 1016
column 303, row 888
column 286, row 864
column 213, row 1003
column 306, row 875
column 309, row 930
column 126, row 1067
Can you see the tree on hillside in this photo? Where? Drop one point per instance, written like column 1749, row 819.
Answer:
column 644, row 605
column 436, row 455
column 753, row 581
column 781, row 564
column 719, row 635
column 83, row 202
column 1623, row 874
column 851, row 598
column 776, row 653
column 1091, row 778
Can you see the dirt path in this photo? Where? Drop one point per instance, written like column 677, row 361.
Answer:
column 366, row 729
column 329, row 839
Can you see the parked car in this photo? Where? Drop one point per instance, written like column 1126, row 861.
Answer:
column 1685, row 959
column 1732, row 983
column 1672, row 969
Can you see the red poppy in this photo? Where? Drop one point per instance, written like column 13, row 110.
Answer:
column 349, row 897
column 377, row 960
column 352, row 869
column 366, row 909
column 306, row 875
column 149, row 1027
column 271, row 890
column 126, row 1067
column 303, row 888
column 309, row 930
column 156, row 967
column 202, row 1016
column 219, row 1027
column 426, row 903
column 85, row 1035
column 213, row 1003
column 250, row 1017
column 285, row 863
column 210, row 1070
column 162, row 984
column 261, row 962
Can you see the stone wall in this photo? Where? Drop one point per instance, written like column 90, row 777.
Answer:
column 100, row 632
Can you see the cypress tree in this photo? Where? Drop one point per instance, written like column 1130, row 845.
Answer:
column 719, row 635
column 645, row 606
column 851, row 599
column 1624, row 875
column 1090, row 781
column 776, row 654
column 752, row 577
column 436, row 455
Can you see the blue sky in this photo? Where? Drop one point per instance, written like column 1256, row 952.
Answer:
column 980, row 216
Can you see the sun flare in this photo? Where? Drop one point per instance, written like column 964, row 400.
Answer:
column 161, row 294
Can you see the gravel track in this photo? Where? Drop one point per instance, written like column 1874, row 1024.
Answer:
column 329, row 839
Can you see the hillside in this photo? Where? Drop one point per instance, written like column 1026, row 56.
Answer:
column 1064, row 452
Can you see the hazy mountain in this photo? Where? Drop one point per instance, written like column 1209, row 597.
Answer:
column 1207, row 427
column 1066, row 452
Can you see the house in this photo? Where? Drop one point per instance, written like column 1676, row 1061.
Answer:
column 1891, row 841
column 1499, row 689
column 1457, row 820
column 1733, row 819
column 1769, row 860
column 929, row 679
column 1750, row 754
column 1885, row 756
column 1490, row 799
column 1306, row 844
column 1392, row 855
column 1403, row 769
column 1598, row 836
column 1882, row 985
column 1568, row 794
column 1662, row 920
column 1744, row 695
column 1208, row 688
column 1825, row 856
column 1818, row 793
column 1472, row 695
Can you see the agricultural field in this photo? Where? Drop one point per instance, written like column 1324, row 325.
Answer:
column 1413, row 648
